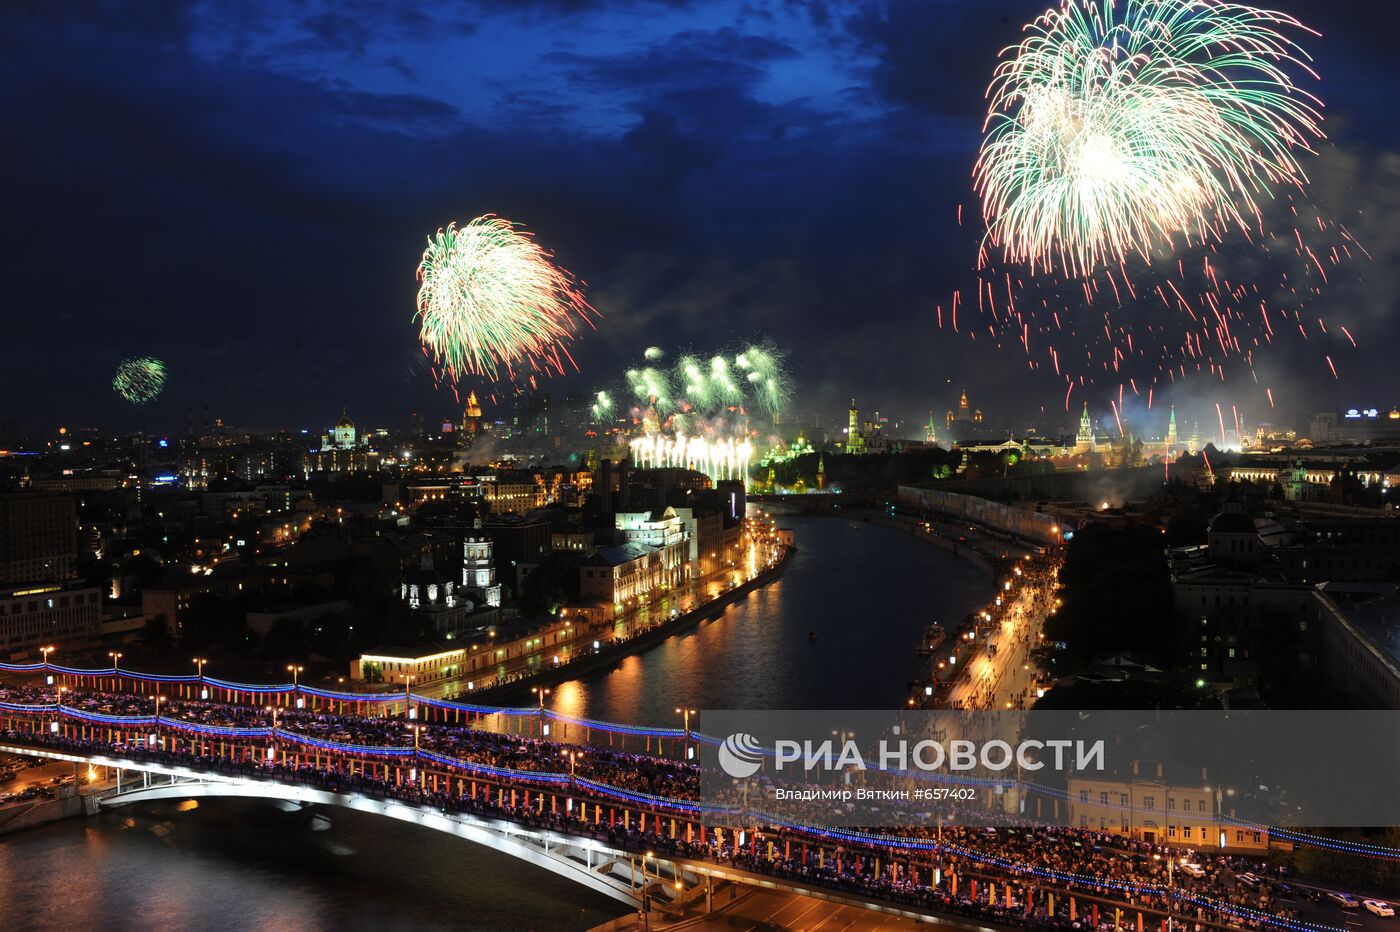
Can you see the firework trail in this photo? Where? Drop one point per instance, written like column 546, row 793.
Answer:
column 1118, row 126
column 492, row 300
column 139, row 380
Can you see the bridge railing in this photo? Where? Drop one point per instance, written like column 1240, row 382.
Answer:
column 289, row 754
column 536, row 721
column 874, row 869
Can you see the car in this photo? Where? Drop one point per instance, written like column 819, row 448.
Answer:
column 1379, row 907
column 1249, row 880
column 1195, row 870
column 1343, row 900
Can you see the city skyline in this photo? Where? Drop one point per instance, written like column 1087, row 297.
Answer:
column 795, row 175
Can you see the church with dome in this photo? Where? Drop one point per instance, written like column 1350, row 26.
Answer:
column 343, row 449
column 451, row 606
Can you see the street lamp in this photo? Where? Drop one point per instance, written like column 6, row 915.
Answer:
column 1171, row 888
column 46, row 651
column 541, row 691
column 200, row 662
column 272, row 738
column 687, row 713
column 408, row 679
column 295, row 670
column 116, row 670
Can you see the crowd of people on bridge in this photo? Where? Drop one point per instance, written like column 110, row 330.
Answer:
column 625, row 770
column 1112, row 870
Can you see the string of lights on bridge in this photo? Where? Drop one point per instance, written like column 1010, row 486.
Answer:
column 1359, row 848
column 840, row 836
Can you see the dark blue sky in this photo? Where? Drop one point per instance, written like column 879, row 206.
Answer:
column 243, row 189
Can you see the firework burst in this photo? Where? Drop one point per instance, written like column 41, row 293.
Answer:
column 1119, row 125
column 139, row 380
column 492, row 300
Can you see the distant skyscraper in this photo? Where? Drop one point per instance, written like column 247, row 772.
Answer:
column 471, row 418
column 855, row 441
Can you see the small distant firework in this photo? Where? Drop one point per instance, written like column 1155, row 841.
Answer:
column 139, row 380
column 1117, row 126
column 492, row 300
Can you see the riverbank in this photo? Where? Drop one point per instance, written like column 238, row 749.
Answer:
column 615, row 651
column 21, row 816
column 914, row 529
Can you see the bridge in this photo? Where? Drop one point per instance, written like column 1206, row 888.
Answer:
column 628, row 825
column 625, row 876
column 630, row 874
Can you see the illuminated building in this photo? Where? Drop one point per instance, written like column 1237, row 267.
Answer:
column 343, row 450
column 479, row 570
column 1084, row 439
column 37, row 615
column 471, row 417
column 855, row 440
column 1151, row 806
column 966, row 422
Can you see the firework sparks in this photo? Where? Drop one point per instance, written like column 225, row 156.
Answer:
column 139, row 380
column 492, row 300
column 1119, row 125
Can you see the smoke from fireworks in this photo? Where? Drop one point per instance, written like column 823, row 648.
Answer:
column 1117, row 126
column 492, row 299
column 139, row 380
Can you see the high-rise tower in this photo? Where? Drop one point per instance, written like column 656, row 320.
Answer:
column 1084, row 439
column 855, row 441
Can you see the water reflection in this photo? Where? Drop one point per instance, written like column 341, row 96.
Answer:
column 243, row 864
column 837, row 631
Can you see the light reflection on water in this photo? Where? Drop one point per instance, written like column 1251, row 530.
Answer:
column 864, row 590
column 244, row 864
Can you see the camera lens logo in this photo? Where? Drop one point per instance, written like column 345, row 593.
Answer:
column 740, row 755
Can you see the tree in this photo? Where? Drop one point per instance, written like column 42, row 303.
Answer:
column 155, row 636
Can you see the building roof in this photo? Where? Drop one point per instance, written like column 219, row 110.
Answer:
column 620, row 554
column 1232, row 522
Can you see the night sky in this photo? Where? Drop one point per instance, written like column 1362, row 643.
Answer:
column 243, row 189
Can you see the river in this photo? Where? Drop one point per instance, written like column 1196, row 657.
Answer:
column 865, row 591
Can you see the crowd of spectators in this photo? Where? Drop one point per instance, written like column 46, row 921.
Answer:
column 1111, row 870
